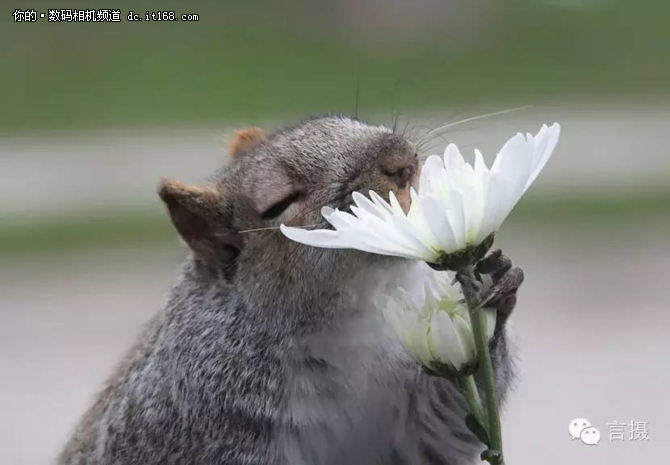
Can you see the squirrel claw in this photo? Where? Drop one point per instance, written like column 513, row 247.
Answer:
column 506, row 281
column 494, row 264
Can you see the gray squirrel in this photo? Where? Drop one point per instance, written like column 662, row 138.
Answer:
column 269, row 352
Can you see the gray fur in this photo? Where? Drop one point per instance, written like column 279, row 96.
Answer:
column 273, row 354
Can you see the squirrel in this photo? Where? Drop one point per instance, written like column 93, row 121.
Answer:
column 270, row 352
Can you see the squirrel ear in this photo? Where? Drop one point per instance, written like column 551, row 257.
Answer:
column 244, row 140
column 199, row 215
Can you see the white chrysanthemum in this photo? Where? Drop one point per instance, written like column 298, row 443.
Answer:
column 458, row 205
column 433, row 323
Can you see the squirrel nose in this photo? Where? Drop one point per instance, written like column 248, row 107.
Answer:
column 401, row 176
column 401, row 168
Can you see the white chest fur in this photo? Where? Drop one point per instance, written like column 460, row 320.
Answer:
column 346, row 393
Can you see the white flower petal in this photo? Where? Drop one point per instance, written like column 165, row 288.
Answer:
column 545, row 143
column 453, row 160
column 466, row 337
column 446, row 342
column 320, row 238
column 430, row 180
column 395, row 205
column 508, row 179
column 456, row 217
column 365, row 204
column 438, row 222
column 369, row 241
column 481, row 170
column 380, row 202
column 339, row 219
column 417, row 340
column 490, row 319
column 408, row 236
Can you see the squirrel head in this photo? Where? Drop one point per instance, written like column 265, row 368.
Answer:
column 287, row 177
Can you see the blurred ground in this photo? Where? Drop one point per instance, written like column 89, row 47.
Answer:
column 591, row 330
column 592, row 239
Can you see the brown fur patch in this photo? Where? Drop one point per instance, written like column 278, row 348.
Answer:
column 244, row 140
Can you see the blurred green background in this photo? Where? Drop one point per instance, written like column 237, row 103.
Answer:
column 93, row 114
column 245, row 60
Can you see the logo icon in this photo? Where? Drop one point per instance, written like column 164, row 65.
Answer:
column 580, row 428
column 590, row 436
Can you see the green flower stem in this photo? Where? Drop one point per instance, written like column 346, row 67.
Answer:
column 470, row 286
column 469, row 388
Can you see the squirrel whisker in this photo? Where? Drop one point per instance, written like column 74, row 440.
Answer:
column 474, row 118
column 271, row 228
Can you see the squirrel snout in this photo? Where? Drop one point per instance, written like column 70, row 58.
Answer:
column 399, row 170
column 402, row 177
column 400, row 166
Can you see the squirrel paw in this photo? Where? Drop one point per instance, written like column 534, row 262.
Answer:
column 505, row 279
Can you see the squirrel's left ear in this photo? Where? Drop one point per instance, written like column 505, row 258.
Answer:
column 203, row 218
